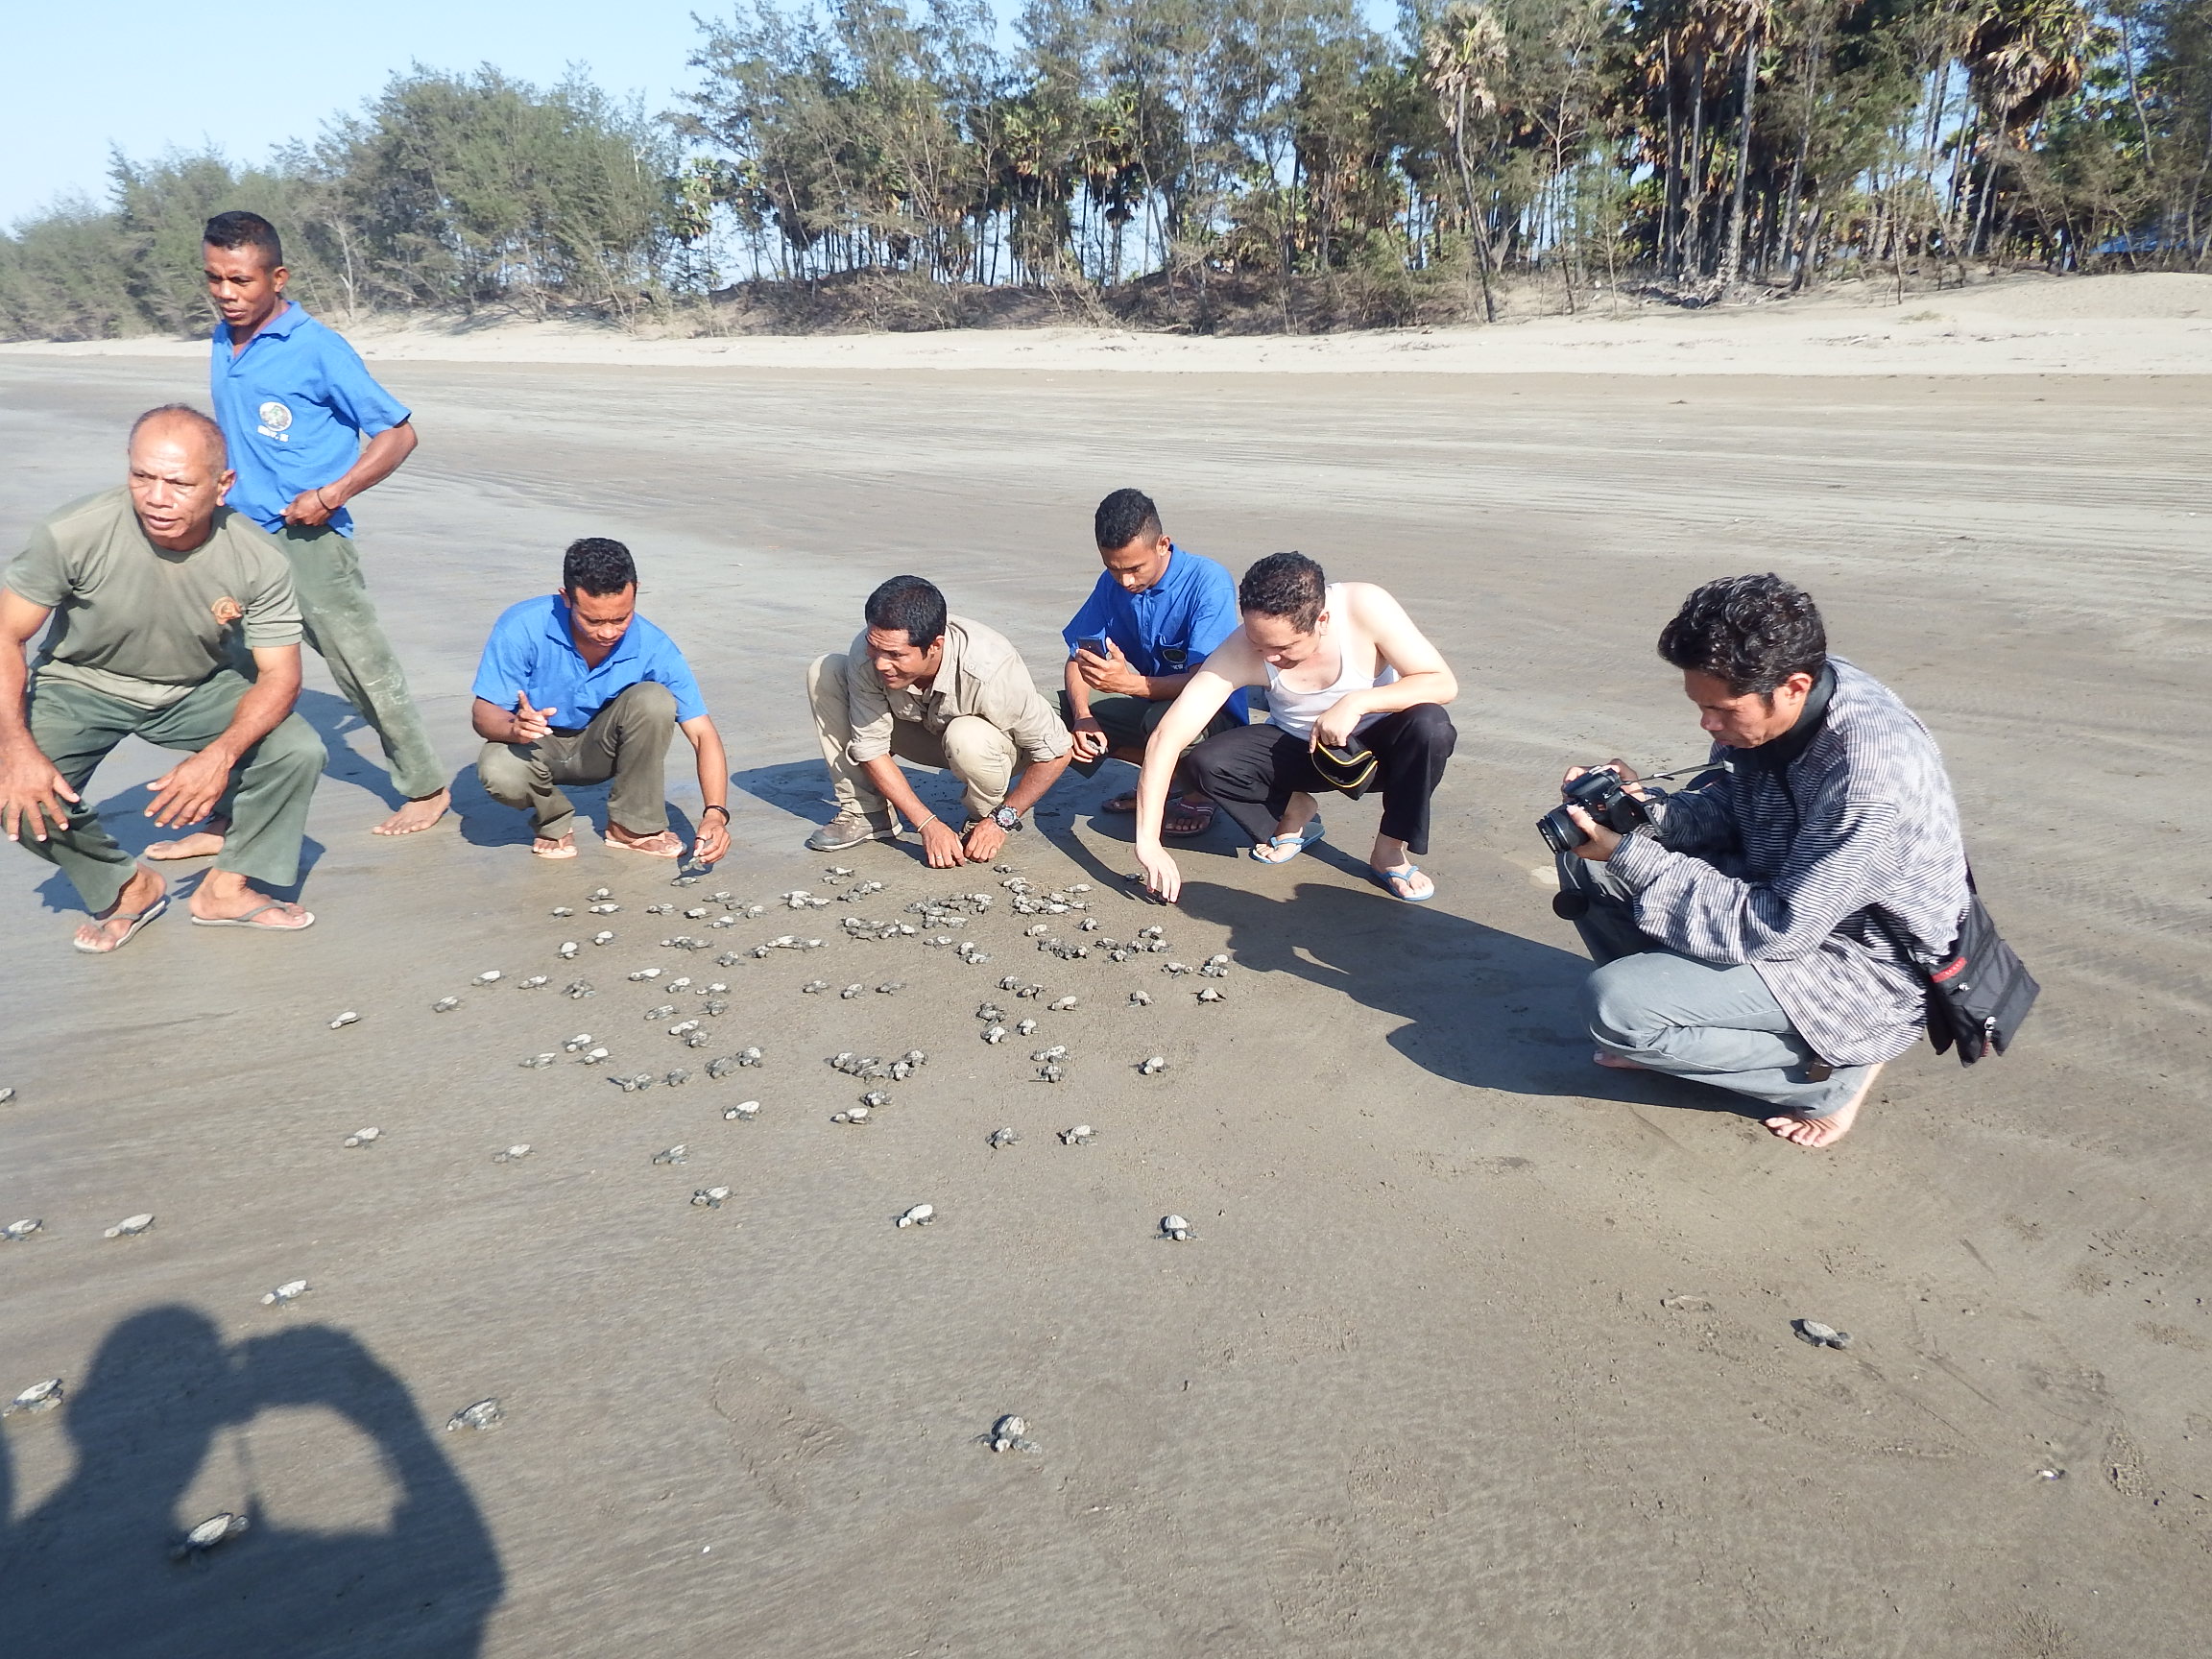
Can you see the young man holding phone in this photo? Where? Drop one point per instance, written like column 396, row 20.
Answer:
column 1152, row 618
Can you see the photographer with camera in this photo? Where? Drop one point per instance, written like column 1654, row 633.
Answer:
column 1761, row 929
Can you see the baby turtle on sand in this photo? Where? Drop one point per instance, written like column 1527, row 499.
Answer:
column 605, row 909
column 645, row 974
column 891, row 988
column 598, row 893
column 562, row 910
column 567, row 950
column 5, row 1096
column 591, row 1056
column 489, row 977
column 852, row 991
column 677, row 1078
column 682, row 982
column 914, row 1057
column 581, row 1041
column 536, row 981
column 874, row 1098
column 481, row 1415
column 1022, row 1027
column 1032, row 991
column 919, row 1215
column 1012, row 982
column 291, row 1290
column 1082, row 1135
column 813, row 987
column 1152, row 1066
column 631, row 1084
column 445, row 1004
column 1010, row 1434
column 348, row 1018
column 990, row 1013
column 1820, row 1335
column 661, row 1013
column 851, row 1115
column 1140, row 999
column 15, row 1232
column 38, row 1397
column 576, row 990
column 512, row 1154
column 1001, row 1139
column 710, row 1197
column 602, row 937
column 1050, row 1074
column 1058, row 1051
column 1209, row 994
column 1177, row 1228
column 364, row 1137
column 1037, row 932
column 214, row 1531
column 676, row 1154
column 130, row 1226
column 994, row 1033
column 1065, row 1006
column 748, row 1056
column 683, row 1027
column 745, row 1111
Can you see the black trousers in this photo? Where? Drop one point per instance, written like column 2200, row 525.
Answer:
column 1254, row 770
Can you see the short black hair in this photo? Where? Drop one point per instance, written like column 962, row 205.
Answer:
column 1285, row 584
column 911, row 603
column 598, row 566
column 238, row 229
column 1124, row 516
column 1750, row 631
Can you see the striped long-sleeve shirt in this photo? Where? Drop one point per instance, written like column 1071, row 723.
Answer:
column 1783, row 868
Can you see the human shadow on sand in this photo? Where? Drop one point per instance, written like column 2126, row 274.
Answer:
column 89, row 1571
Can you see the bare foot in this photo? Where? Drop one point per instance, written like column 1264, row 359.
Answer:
column 1828, row 1129
column 544, row 847
column 660, row 844
column 199, row 844
column 416, row 816
column 142, row 898
column 1615, row 1063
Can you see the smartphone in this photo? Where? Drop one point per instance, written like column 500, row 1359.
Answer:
column 1095, row 646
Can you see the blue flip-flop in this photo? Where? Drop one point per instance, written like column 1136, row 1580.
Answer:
column 1384, row 878
column 1296, row 843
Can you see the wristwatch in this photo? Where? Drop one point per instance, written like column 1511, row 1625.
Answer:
column 1007, row 818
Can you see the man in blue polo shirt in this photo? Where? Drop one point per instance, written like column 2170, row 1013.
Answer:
column 295, row 403
column 1156, row 613
column 576, row 688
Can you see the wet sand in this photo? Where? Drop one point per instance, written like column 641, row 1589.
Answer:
column 1478, row 1349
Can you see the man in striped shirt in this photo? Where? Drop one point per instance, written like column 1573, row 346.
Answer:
column 1761, row 932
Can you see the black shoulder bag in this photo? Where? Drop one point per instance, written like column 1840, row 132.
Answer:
column 1981, row 992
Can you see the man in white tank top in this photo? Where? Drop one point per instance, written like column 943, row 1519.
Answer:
column 1343, row 665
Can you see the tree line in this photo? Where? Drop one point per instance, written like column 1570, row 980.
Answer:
column 1217, row 154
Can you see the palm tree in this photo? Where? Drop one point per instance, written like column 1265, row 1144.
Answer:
column 1464, row 55
column 2021, row 56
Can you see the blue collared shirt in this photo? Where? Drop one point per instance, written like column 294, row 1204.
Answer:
column 532, row 650
column 1172, row 626
column 294, row 407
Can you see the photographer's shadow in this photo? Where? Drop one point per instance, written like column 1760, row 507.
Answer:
column 87, row 1572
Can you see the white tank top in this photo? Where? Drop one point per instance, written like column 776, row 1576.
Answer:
column 1296, row 712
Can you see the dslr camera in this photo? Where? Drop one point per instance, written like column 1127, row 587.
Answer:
column 1599, row 793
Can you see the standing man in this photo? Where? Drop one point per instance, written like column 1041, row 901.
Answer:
column 1157, row 612
column 1761, row 932
column 939, row 690
column 294, row 402
column 157, row 587
column 576, row 688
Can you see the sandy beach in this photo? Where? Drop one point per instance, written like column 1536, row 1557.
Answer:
column 1478, row 1349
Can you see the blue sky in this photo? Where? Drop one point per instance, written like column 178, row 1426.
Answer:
column 83, row 77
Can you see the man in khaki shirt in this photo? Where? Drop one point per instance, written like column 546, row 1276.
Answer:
column 939, row 690
column 148, row 582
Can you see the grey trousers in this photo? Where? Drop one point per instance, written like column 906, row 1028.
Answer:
column 76, row 727
column 342, row 626
column 973, row 750
column 627, row 741
column 1671, row 1013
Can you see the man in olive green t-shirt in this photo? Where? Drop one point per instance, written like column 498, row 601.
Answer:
column 147, row 582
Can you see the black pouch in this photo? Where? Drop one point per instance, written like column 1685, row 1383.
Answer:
column 1978, row 996
column 1348, row 767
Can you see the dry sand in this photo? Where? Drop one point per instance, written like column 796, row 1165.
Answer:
column 1479, row 1349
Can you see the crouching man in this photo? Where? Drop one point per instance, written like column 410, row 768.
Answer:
column 576, row 688
column 149, row 580
column 923, row 685
column 1755, row 935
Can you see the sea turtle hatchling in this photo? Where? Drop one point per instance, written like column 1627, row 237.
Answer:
column 710, row 1197
column 661, row 1013
column 851, row 1114
column 990, row 1013
column 1036, row 932
column 1140, row 999
column 130, row 1226
column 1050, row 1074
column 15, row 1232
column 445, row 1004
column 919, row 1215
column 1175, row 1227
column 1010, row 1434
column 745, row 1111
column 511, row 1155
column 576, row 990
column 1065, row 1006
column 1208, row 994
column 291, row 1290
column 581, row 1041
column 994, row 1033
column 1001, row 1139
column 38, row 1397
column 1012, row 982
column 5, row 1096
column 748, row 1056
column 1152, row 1066
column 891, row 988
column 348, row 1018
column 211, row 1533
column 562, row 910
column 602, row 937
column 1820, row 1335
column 481, row 1415
column 489, row 977
column 683, row 1027
column 536, row 981
column 1082, row 1135
column 1022, row 1027
column 567, row 950
column 853, row 991
column 591, row 1056
column 813, row 987
column 631, row 1084
column 645, row 974
column 677, row 1078
column 874, row 1098
column 1058, row 1051
column 364, row 1137
column 676, row 1154
column 598, row 893
column 605, row 909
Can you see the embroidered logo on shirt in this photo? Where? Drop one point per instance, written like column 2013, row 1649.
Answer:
column 275, row 420
column 226, row 611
